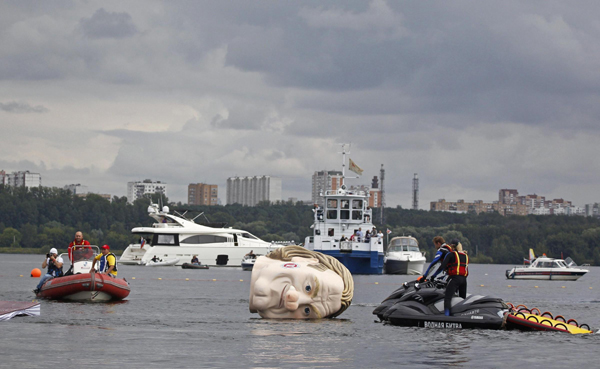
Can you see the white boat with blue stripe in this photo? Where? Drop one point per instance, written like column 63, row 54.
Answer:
column 335, row 227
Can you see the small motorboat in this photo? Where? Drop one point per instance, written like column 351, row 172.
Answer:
column 81, row 283
column 403, row 257
column 161, row 262
column 248, row 261
column 193, row 266
column 94, row 287
column 545, row 268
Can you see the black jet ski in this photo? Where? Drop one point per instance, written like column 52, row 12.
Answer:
column 417, row 304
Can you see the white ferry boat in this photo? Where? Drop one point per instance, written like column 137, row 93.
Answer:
column 174, row 236
column 334, row 228
column 403, row 257
column 545, row 268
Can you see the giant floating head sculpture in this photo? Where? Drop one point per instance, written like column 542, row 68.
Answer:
column 295, row 283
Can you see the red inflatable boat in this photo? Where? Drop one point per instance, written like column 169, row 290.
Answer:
column 94, row 287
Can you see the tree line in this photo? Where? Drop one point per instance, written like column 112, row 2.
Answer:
column 36, row 219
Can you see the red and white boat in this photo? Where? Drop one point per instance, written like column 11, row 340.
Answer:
column 85, row 284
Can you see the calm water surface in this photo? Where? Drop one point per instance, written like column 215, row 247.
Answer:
column 204, row 322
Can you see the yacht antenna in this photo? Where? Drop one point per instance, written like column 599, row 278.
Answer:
column 344, row 160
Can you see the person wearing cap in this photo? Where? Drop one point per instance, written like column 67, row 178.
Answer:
column 54, row 264
column 107, row 262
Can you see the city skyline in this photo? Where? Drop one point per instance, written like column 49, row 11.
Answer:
column 472, row 96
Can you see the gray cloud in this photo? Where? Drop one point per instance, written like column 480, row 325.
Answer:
column 21, row 107
column 103, row 24
column 474, row 97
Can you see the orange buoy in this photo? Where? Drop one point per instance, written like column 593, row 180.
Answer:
column 35, row 272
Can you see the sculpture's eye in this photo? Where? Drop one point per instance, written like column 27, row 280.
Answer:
column 307, row 311
column 308, row 288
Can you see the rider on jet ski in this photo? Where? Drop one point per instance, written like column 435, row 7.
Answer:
column 442, row 250
column 456, row 265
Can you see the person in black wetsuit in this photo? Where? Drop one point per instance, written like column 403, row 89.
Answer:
column 456, row 265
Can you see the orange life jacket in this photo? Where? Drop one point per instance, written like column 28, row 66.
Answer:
column 460, row 266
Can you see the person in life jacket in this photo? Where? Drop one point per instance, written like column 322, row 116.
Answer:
column 107, row 262
column 54, row 264
column 78, row 245
column 442, row 250
column 456, row 265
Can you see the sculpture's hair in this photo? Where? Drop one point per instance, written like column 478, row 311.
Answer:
column 326, row 262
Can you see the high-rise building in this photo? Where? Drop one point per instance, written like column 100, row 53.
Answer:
column 77, row 189
column 3, row 178
column 508, row 196
column 250, row 191
column 203, row 194
column 136, row 190
column 323, row 181
column 21, row 179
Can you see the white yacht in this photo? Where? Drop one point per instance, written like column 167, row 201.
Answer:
column 174, row 236
column 403, row 257
column 545, row 268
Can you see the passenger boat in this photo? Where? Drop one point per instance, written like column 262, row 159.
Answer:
column 346, row 211
column 545, row 268
column 175, row 236
column 84, row 284
column 403, row 257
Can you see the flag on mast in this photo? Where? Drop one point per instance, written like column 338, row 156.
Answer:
column 353, row 167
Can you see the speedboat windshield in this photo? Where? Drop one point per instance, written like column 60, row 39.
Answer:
column 84, row 253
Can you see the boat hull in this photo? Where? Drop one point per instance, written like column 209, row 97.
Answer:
column 359, row 262
column 406, row 267
column 544, row 276
column 92, row 287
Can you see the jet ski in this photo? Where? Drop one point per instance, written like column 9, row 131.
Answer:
column 417, row 304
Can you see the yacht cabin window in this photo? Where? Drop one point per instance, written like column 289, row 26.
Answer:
column 345, row 204
column 331, row 214
column 357, row 204
column 330, row 232
column 199, row 239
column 166, row 239
column 357, row 215
column 332, row 204
column 344, row 214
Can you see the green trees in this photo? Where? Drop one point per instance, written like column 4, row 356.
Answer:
column 40, row 218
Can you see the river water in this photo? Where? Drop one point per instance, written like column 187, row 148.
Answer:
column 182, row 318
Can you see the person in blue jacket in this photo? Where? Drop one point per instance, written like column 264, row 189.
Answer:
column 442, row 249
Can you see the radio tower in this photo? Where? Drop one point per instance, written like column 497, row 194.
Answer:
column 381, row 179
column 415, row 205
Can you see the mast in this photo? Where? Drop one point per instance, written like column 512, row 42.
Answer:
column 381, row 179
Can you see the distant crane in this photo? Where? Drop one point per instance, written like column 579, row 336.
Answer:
column 415, row 202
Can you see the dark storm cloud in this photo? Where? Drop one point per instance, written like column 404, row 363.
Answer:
column 21, row 107
column 103, row 24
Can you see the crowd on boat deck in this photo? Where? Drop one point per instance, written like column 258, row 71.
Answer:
column 359, row 236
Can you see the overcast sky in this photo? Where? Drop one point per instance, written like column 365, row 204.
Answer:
column 473, row 96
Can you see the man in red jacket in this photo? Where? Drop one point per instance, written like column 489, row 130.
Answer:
column 76, row 245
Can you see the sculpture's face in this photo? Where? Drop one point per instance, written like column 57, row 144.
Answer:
column 293, row 290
